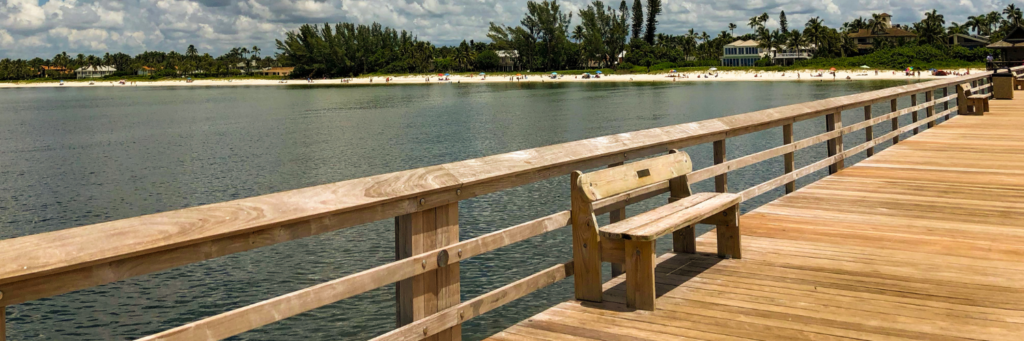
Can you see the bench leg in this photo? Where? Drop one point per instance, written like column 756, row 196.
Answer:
column 985, row 101
column 729, row 234
column 640, row 275
column 684, row 240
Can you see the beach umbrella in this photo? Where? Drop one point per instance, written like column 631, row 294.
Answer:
column 518, row 74
column 482, row 73
column 865, row 67
column 598, row 71
column 447, row 74
column 672, row 71
column 554, row 73
column 832, row 69
column 713, row 69
column 440, row 75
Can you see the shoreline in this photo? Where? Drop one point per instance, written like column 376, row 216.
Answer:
column 692, row 76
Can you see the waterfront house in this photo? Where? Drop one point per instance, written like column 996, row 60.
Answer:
column 742, row 53
column 53, row 71
column 1012, row 47
column 146, row 71
column 968, row 41
column 95, row 71
column 277, row 71
column 507, row 59
column 865, row 38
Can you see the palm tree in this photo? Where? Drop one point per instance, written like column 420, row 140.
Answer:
column 255, row 53
column 754, row 22
column 992, row 19
column 732, row 28
column 814, row 32
column 1013, row 14
column 796, row 40
column 876, row 25
column 976, row 23
column 955, row 28
column 577, row 33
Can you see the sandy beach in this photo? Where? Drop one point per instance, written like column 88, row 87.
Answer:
column 703, row 76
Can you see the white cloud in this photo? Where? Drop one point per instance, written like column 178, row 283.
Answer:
column 28, row 29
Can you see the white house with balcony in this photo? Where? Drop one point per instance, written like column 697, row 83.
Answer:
column 742, row 53
column 95, row 71
column 747, row 52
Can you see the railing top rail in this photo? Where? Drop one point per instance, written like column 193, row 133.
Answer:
column 389, row 195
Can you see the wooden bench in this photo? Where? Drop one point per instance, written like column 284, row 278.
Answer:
column 631, row 242
column 971, row 103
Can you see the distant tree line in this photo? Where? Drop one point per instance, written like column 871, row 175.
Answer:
column 624, row 37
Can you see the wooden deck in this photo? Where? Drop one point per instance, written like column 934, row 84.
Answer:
column 924, row 241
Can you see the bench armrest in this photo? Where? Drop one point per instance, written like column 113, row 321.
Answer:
column 669, row 218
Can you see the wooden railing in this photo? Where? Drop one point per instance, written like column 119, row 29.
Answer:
column 424, row 203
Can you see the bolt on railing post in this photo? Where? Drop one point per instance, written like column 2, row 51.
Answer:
column 614, row 217
column 788, row 160
column 721, row 181
column 435, row 290
column 833, row 122
column 913, row 115
column 894, row 105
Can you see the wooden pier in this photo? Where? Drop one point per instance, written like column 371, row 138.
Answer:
column 924, row 240
column 921, row 240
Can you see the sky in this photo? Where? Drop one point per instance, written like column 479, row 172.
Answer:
column 43, row 28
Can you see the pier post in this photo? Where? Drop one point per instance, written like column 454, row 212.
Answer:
column 913, row 115
column 787, row 138
column 721, row 181
column 614, row 217
column 432, row 291
column 833, row 122
column 869, row 131
column 928, row 97
column 945, row 105
column 894, row 105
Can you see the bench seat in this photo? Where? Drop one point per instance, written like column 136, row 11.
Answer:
column 667, row 219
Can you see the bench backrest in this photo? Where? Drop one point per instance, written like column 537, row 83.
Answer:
column 616, row 180
column 966, row 88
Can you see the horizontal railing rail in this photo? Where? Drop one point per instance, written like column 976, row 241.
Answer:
column 424, row 199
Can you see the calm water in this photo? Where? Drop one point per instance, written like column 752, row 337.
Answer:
column 77, row 156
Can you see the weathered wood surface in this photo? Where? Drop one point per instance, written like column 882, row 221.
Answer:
column 57, row 262
column 923, row 241
column 665, row 219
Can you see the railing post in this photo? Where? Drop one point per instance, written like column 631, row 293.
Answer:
column 721, row 181
column 961, row 100
column 894, row 105
column 833, row 122
column 787, row 138
column 586, row 246
column 869, row 132
column 684, row 239
column 614, row 217
column 945, row 105
column 913, row 115
column 432, row 291
column 928, row 97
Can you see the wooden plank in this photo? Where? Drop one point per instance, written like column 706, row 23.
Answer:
column 788, row 160
column 616, row 180
column 613, row 217
column 663, row 220
column 869, row 132
column 461, row 313
column 728, row 232
column 243, row 319
column 684, row 240
column 721, row 180
column 311, row 211
column 834, row 122
column 640, row 274
column 586, row 244
column 447, row 288
column 403, row 288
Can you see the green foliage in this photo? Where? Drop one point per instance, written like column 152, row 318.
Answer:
column 487, row 60
column 898, row 58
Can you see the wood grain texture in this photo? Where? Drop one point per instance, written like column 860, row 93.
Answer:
column 243, row 319
column 788, row 159
column 722, row 179
column 666, row 219
column 640, row 274
column 869, row 131
column 617, row 180
column 458, row 314
column 83, row 252
column 586, row 244
column 922, row 241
